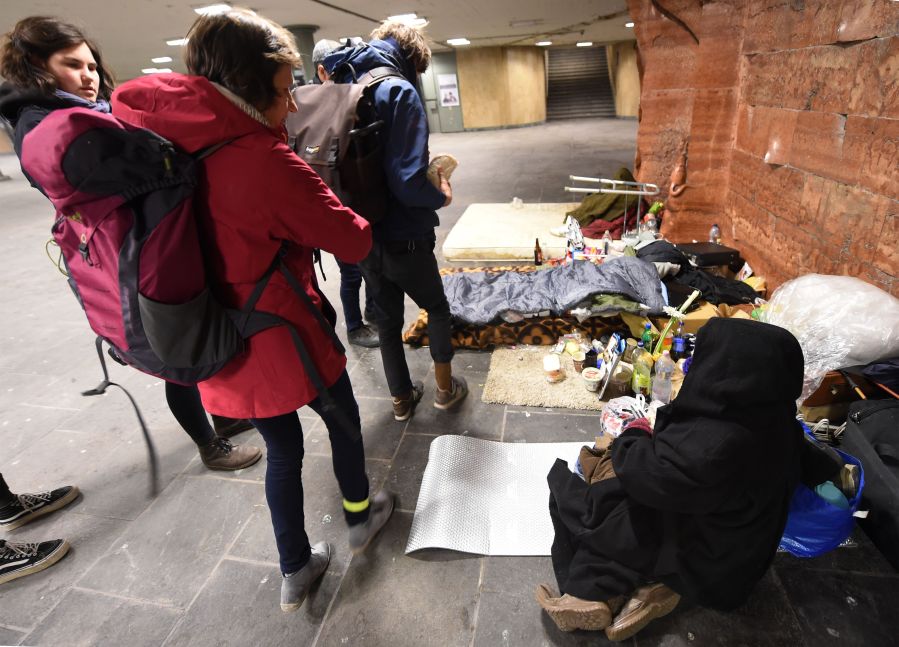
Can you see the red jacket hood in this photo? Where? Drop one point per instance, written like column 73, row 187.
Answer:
column 187, row 110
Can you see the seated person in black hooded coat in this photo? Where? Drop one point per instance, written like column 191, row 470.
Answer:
column 695, row 506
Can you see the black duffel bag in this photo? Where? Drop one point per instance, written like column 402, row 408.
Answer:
column 872, row 435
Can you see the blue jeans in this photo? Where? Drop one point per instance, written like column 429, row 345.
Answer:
column 283, row 437
column 350, row 285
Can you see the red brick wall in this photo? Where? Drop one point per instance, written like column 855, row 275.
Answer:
column 791, row 113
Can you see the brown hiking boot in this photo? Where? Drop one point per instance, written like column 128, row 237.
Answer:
column 228, row 427
column 448, row 399
column 571, row 613
column 221, row 454
column 403, row 407
column 647, row 603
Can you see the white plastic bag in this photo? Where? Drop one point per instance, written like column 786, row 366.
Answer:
column 620, row 412
column 838, row 320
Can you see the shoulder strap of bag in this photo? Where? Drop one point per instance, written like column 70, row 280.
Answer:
column 378, row 74
column 249, row 321
column 100, row 389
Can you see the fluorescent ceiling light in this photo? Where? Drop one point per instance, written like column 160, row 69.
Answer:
column 629, row 25
column 544, row 43
column 410, row 19
column 176, row 42
column 156, row 70
column 213, row 9
column 162, row 59
column 585, row 43
column 458, row 41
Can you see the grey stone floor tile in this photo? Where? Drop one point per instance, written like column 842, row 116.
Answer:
column 112, row 473
column 169, row 552
column 514, row 619
column 46, row 390
column 509, row 613
column 471, row 417
column 90, row 619
column 256, row 589
column 10, row 636
column 505, row 574
column 368, row 378
column 477, row 361
column 323, row 508
column 765, row 620
column 540, row 426
column 388, row 599
column 22, row 424
column 408, row 469
column 843, row 609
column 380, row 432
column 89, row 537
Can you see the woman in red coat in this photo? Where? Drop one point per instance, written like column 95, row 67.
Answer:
column 257, row 196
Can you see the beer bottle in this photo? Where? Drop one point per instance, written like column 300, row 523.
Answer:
column 538, row 253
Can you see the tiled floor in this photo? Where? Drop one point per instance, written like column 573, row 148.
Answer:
column 197, row 564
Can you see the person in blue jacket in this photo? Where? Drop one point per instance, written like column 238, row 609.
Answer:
column 402, row 260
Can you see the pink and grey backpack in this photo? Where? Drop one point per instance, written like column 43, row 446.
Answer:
column 126, row 227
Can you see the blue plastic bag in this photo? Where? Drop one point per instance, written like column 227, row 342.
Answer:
column 815, row 526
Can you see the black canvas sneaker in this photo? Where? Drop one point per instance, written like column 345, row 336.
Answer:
column 28, row 507
column 21, row 559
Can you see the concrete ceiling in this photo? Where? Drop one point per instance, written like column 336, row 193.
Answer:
column 131, row 32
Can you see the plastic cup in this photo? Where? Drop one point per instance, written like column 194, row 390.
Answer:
column 592, row 378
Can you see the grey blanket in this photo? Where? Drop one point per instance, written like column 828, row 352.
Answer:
column 479, row 297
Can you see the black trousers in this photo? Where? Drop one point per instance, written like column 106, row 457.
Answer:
column 392, row 270
column 6, row 496
column 185, row 404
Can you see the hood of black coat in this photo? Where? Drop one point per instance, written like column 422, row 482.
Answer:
column 740, row 369
column 14, row 99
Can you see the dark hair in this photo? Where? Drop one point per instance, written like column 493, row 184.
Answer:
column 33, row 40
column 242, row 51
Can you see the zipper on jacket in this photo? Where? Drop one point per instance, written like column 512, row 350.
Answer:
column 858, row 416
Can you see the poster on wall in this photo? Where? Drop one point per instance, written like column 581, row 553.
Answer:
column 449, row 90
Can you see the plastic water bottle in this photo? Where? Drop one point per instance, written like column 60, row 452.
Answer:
column 661, row 382
column 642, row 377
column 606, row 242
column 715, row 234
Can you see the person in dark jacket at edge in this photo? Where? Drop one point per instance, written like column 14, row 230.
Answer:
column 51, row 65
column 358, row 332
column 683, row 508
column 402, row 258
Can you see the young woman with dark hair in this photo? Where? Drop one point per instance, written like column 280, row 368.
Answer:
column 51, row 65
column 256, row 200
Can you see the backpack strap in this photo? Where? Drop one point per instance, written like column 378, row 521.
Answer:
column 378, row 74
column 100, row 389
column 209, row 150
column 249, row 321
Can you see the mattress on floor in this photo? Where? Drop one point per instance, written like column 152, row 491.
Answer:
column 500, row 232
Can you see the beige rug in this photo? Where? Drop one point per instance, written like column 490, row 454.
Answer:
column 516, row 377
